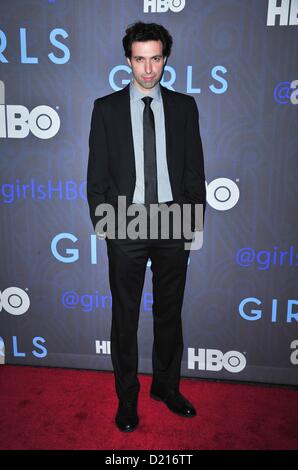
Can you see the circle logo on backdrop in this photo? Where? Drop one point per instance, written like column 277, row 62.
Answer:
column 222, row 194
column 176, row 5
column 14, row 301
column 234, row 361
column 44, row 122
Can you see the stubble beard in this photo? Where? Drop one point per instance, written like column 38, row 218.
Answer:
column 148, row 85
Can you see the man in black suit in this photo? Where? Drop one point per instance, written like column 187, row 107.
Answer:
column 145, row 146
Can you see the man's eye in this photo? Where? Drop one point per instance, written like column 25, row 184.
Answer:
column 157, row 59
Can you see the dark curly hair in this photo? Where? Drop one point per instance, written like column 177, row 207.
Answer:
column 140, row 31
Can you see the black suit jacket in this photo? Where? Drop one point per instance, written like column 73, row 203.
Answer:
column 111, row 166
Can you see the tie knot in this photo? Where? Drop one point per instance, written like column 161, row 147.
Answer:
column 147, row 100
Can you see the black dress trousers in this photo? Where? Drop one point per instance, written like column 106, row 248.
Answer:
column 127, row 267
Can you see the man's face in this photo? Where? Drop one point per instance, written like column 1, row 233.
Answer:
column 147, row 64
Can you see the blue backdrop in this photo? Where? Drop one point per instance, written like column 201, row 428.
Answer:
column 238, row 59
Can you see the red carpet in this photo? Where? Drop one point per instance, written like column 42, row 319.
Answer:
column 47, row 408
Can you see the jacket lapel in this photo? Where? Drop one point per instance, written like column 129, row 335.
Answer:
column 125, row 122
column 168, row 106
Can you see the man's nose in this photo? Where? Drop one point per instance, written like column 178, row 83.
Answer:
column 148, row 67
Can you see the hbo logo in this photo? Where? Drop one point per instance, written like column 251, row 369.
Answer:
column 222, row 194
column 161, row 6
column 14, row 301
column 42, row 121
column 214, row 360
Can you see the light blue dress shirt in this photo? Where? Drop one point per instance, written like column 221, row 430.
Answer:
column 136, row 107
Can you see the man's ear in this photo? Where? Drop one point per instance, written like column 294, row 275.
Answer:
column 165, row 60
column 128, row 61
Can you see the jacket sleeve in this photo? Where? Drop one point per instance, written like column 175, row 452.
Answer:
column 98, row 170
column 194, row 173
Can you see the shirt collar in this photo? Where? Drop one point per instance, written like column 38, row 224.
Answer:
column 136, row 94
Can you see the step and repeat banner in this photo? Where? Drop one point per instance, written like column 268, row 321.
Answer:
column 238, row 59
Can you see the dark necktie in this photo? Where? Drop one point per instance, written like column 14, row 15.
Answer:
column 150, row 170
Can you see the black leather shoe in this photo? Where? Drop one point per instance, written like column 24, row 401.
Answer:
column 175, row 402
column 127, row 416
